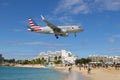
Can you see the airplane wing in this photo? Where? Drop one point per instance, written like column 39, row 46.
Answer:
column 52, row 26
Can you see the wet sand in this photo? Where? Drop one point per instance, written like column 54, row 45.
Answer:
column 72, row 75
column 75, row 76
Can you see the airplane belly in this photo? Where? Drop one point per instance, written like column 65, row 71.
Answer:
column 47, row 31
column 71, row 31
column 74, row 30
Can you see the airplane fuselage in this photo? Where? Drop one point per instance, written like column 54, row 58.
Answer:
column 53, row 29
column 65, row 30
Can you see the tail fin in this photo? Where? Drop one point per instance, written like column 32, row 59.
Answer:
column 32, row 22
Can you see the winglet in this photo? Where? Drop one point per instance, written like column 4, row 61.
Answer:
column 42, row 18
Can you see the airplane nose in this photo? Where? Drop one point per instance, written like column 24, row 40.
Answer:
column 82, row 30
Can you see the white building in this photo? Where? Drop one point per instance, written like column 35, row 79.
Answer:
column 106, row 59
column 68, row 57
column 65, row 56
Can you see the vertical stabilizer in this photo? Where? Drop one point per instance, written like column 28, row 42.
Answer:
column 31, row 22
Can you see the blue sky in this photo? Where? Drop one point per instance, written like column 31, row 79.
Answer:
column 100, row 20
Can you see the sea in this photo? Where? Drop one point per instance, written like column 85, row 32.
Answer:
column 18, row 73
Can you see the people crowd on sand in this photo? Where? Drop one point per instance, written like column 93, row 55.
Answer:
column 85, row 66
column 89, row 67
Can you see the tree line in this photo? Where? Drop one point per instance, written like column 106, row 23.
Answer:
column 57, row 60
column 82, row 61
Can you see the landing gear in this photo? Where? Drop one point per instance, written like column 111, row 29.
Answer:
column 75, row 34
column 56, row 36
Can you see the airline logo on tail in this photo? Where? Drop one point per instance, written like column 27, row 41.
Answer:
column 33, row 26
column 31, row 22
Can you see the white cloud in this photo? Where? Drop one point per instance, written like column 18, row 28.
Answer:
column 114, row 49
column 40, row 43
column 109, row 4
column 66, row 20
column 19, row 55
column 111, row 40
column 86, row 6
column 63, row 20
column 117, row 36
column 16, row 30
column 33, row 43
column 72, row 6
column 85, row 42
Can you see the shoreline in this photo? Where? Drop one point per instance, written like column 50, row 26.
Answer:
column 26, row 65
column 30, row 66
column 96, row 73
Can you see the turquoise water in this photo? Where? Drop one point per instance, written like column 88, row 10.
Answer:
column 14, row 73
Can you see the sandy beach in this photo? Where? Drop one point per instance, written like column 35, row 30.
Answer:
column 96, row 73
column 102, row 74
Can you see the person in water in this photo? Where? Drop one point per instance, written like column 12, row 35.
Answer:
column 69, row 69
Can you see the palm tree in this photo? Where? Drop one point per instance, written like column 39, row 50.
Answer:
column 38, row 61
column 59, row 57
column 101, row 61
column 43, row 61
column 55, row 58
column 58, row 62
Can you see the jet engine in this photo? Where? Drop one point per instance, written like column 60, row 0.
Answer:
column 64, row 34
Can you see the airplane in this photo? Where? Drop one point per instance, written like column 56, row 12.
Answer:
column 53, row 29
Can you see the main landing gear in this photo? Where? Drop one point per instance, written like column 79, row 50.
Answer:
column 56, row 36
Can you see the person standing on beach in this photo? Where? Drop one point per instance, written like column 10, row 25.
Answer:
column 79, row 66
column 89, row 69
